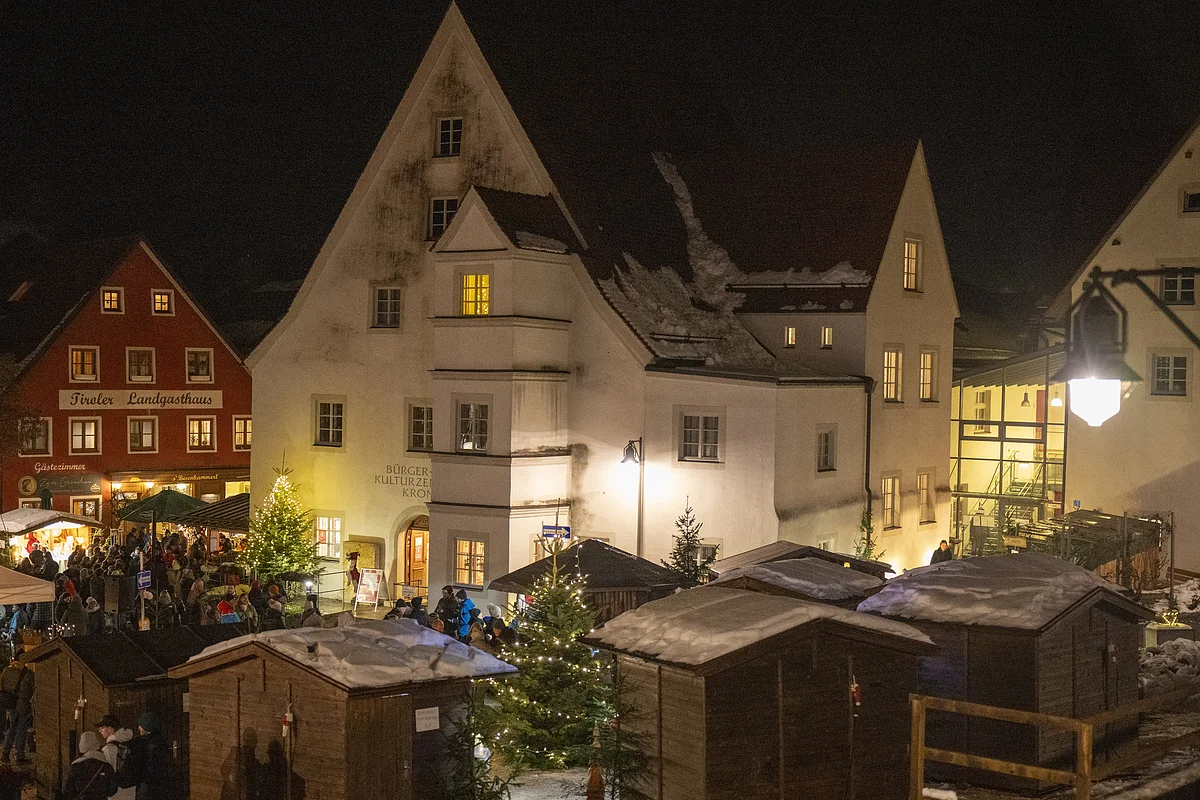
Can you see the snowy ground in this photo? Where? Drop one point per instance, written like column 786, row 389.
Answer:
column 560, row 785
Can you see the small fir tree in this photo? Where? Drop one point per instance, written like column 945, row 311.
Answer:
column 684, row 557
column 280, row 537
column 470, row 778
column 542, row 717
column 865, row 546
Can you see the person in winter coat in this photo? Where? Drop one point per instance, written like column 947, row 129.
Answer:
column 75, row 618
column 447, row 609
column 148, row 764
column 90, row 777
column 466, row 605
column 115, row 736
column 22, row 718
column 95, row 617
column 943, row 553
column 475, row 636
column 419, row 613
column 398, row 611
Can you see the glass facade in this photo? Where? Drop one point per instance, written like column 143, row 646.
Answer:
column 1008, row 451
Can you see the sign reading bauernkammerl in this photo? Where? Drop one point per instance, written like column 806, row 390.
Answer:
column 148, row 399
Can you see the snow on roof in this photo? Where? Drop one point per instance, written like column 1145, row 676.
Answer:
column 23, row 520
column 1024, row 590
column 699, row 625
column 811, row 576
column 533, row 241
column 374, row 653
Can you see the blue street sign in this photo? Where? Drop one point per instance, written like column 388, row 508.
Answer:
column 144, row 579
column 1076, row 504
column 556, row 531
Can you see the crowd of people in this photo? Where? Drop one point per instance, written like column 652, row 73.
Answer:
column 457, row 615
column 115, row 763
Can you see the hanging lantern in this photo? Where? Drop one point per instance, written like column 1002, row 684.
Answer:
column 1096, row 373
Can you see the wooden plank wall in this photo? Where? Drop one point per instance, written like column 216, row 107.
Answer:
column 944, row 674
column 640, row 685
column 683, row 731
column 237, row 747
column 607, row 604
column 47, row 719
column 379, row 747
column 429, row 748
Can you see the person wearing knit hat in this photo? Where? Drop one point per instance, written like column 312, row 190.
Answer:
column 148, row 723
column 148, row 763
column 90, row 777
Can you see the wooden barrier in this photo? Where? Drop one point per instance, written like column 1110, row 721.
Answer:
column 1083, row 774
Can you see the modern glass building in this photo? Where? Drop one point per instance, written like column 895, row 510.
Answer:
column 1008, row 452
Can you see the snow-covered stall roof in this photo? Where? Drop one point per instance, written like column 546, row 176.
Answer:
column 703, row 624
column 371, row 654
column 782, row 549
column 810, row 576
column 24, row 520
column 1024, row 590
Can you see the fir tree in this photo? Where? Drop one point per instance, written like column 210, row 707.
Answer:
column 684, row 557
column 624, row 753
column 280, row 537
column 469, row 777
column 866, row 547
column 542, row 717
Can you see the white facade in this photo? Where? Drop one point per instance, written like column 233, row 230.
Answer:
column 566, row 380
column 1143, row 459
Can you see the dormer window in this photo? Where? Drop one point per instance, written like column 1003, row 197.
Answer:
column 449, row 137
column 441, row 214
column 112, row 300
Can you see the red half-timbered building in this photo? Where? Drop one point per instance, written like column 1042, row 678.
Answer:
column 132, row 387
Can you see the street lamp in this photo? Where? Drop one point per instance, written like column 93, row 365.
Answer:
column 634, row 454
column 1097, row 337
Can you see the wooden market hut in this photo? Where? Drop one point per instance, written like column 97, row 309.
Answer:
column 1025, row 631
column 739, row 694
column 616, row 581
column 370, row 705
column 79, row 679
column 784, row 550
column 807, row 578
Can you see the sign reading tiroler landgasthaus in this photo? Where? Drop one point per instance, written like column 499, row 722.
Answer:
column 101, row 399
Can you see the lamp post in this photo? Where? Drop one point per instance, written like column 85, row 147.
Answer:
column 635, row 454
column 1097, row 338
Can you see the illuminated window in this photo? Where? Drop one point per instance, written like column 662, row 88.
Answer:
column 387, row 307
column 983, row 412
column 827, row 337
column 329, row 537
column 925, row 497
column 441, row 214
column 139, row 364
column 199, row 365
column 473, row 427
column 826, row 449
column 112, row 300
column 1170, row 375
column 85, row 436
column 85, row 363
column 242, row 430
column 789, row 337
column 163, row 301
column 450, row 137
column 200, row 434
column 420, row 428
column 891, row 502
column 700, row 439
column 476, row 294
column 143, row 435
column 928, row 375
column 1179, row 288
column 912, row 265
column 893, row 375
column 329, row 423
column 35, row 437
column 468, row 562
column 236, row 487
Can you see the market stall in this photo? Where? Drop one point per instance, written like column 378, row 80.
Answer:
column 56, row 531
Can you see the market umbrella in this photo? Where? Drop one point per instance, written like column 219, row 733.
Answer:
column 167, row 506
column 16, row 587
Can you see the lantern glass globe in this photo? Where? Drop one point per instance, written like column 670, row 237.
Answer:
column 1095, row 400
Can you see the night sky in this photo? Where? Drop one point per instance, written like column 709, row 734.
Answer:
column 231, row 134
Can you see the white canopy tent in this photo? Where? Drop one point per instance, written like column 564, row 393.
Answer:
column 16, row 587
column 24, row 520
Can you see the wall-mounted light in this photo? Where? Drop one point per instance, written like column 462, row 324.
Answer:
column 633, row 453
column 1095, row 371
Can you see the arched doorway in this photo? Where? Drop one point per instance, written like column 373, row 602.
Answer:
column 416, row 554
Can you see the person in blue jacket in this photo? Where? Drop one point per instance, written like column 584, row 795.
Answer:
column 464, row 613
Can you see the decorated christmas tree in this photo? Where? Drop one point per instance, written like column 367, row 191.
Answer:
column 281, row 537
column 542, row 717
column 685, row 554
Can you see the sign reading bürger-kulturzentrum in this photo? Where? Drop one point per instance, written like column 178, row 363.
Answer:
column 148, row 399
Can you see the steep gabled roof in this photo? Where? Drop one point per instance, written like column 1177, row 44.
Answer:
column 782, row 549
column 785, row 299
column 605, row 566
column 530, row 221
column 43, row 284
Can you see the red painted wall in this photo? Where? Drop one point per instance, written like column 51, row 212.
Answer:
column 39, row 388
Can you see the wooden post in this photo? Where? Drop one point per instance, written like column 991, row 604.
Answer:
column 916, row 753
column 1083, row 763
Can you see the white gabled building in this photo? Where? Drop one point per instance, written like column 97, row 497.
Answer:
column 540, row 264
column 1143, row 459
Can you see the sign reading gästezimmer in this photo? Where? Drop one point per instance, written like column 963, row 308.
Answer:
column 144, row 399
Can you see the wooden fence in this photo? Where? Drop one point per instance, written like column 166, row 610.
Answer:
column 1085, row 770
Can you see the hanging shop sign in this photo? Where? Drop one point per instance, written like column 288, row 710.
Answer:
column 147, row 399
